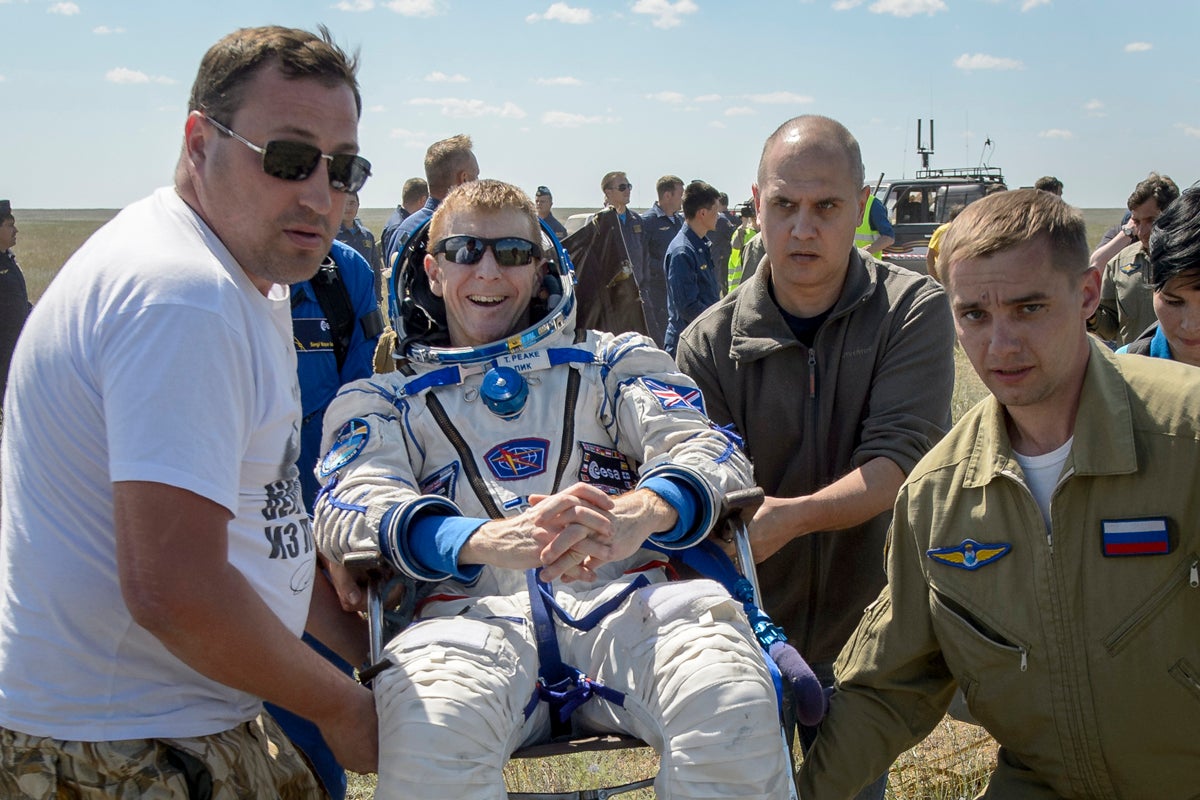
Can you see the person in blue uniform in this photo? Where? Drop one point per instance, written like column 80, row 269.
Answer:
column 692, row 280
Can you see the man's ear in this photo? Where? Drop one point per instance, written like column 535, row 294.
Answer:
column 195, row 137
column 434, row 273
column 863, row 197
column 1091, row 292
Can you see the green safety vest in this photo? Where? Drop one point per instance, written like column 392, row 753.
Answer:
column 735, row 259
column 864, row 234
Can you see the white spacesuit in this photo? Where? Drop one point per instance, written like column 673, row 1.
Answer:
column 474, row 432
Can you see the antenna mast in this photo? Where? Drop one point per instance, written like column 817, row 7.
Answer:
column 922, row 150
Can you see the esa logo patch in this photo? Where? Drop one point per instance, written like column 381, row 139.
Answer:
column 517, row 459
column 970, row 555
column 350, row 441
column 443, row 482
column 606, row 469
column 675, row 398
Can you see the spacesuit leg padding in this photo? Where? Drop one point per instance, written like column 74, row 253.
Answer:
column 451, row 709
column 696, row 689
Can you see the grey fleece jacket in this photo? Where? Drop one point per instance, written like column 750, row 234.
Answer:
column 877, row 382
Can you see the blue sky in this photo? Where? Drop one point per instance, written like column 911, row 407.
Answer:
column 558, row 93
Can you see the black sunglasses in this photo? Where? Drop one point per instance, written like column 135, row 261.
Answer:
column 623, row 187
column 295, row 161
column 510, row 251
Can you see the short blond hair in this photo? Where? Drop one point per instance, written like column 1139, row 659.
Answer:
column 445, row 158
column 1006, row 220
column 483, row 197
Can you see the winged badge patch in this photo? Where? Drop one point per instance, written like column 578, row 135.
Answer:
column 970, row 555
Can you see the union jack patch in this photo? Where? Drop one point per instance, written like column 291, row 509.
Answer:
column 970, row 555
column 672, row 397
column 518, row 459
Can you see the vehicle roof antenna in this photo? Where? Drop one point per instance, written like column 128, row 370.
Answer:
column 988, row 148
column 922, row 150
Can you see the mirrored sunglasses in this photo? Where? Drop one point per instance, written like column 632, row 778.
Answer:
column 295, row 161
column 510, row 251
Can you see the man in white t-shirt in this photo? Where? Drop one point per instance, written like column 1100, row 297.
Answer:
column 157, row 559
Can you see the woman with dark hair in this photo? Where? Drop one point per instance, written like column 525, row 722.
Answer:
column 1175, row 274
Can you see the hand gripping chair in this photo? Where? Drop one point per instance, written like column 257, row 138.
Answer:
column 801, row 699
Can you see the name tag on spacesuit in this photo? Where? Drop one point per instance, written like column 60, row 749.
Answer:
column 525, row 362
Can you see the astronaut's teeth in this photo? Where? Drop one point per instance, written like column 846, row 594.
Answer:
column 486, row 300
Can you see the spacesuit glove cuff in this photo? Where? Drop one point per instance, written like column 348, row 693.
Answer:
column 703, row 512
column 679, row 495
column 395, row 528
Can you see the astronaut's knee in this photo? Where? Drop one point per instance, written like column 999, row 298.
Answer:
column 467, row 676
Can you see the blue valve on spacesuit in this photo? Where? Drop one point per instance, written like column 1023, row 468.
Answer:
column 504, row 392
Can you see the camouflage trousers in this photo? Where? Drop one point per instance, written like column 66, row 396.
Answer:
column 254, row 760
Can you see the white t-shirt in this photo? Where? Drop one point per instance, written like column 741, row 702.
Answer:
column 1042, row 474
column 151, row 357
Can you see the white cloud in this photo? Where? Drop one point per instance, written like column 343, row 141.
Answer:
column 779, row 98
column 1031, row 4
column 1095, row 108
column 716, row 123
column 354, row 5
column 1188, row 130
column 666, row 14
column 565, row 80
column 409, row 138
column 1056, row 133
column 104, row 30
column 413, row 8
column 2, row 79
column 982, row 61
column 561, row 12
column 907, row 8
column 441, row 77
column 63, row 9
column 375, row 109
column 126, row 75
column 464, row 108
column 846, row 5
column 708, row 98
column 673, row 98
column 739, row 111
column 1138, row 47
column 565, row 119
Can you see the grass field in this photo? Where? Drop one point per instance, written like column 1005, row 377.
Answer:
column 952, row 763
column 47, row 238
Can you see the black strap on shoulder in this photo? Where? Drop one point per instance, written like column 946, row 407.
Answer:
column 334, row 300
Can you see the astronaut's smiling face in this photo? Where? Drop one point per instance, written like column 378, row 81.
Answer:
column 485, row 302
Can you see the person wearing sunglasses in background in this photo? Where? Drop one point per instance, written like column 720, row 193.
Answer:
column 156, row 555
column 509, row 440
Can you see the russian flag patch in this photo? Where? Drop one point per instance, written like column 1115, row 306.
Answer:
column 1135, row 537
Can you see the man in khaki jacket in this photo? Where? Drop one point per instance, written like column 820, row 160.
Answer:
column 1043, row 556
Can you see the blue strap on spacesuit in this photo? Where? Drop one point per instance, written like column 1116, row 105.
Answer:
column 456, row 374
column 563, row 687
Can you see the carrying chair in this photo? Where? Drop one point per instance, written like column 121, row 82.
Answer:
column 391, row 604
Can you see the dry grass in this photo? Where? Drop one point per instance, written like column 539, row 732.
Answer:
column 953, row 763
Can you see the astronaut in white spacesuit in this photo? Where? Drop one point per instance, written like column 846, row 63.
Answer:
column 511, row 456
